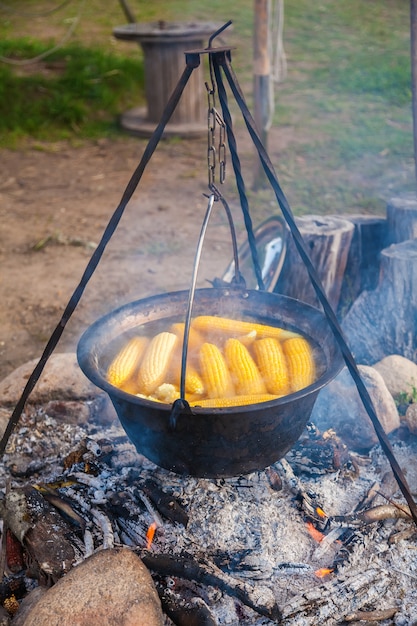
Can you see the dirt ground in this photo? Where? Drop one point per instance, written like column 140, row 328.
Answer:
column 54, row 205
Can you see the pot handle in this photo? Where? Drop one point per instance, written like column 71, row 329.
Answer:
column 181, row 404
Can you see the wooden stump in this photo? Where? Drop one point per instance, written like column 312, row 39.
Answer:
column 328, row 240
column 402, row 218
column 362, row 267
column 384, row 321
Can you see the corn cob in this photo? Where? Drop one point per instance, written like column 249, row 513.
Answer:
column 218, row 403
column 300, row 362
column 216, row 376
column 233, row 328
column 126, row 363
column 272, row 364
column 155, row 363
column 195, row 339
column 166, row 393
column 193, row 381
column 245, row 374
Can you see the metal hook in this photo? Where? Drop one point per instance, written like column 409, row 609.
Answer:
column 217, row 33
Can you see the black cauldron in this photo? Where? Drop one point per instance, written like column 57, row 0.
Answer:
column 212, row 442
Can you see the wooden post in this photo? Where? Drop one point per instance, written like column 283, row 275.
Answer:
column 413, row 37
column 262, row 78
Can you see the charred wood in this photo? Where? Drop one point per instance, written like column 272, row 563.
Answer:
column 260, row 600
column 12, row 586
column 44, row 534
column 318, row 453
column 376, row 514
column 182, row 611
column 371, row 616
column 339, row 597
column 166, row 504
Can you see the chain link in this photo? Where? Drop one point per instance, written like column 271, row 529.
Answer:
column 216, row 154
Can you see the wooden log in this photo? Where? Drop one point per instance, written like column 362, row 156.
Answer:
column 328, row 240
column 362, row 266
column 384, row 321
column 402, row 218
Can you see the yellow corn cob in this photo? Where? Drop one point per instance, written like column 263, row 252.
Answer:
column 218, row 403
column 166, row 393
column 272, row 364
column 194, row 338
column 193, row 381
column 216, row 376
column 229, row 327
column 126, row 363
column 156, row 361
column 245, row 374
column 300, row 361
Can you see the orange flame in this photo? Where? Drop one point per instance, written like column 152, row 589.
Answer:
column 320, row 512
column 316, row 534
column 324, row 571
column 150, row 534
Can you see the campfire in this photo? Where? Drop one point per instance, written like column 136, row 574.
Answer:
column 242, row 514
column 300, row 542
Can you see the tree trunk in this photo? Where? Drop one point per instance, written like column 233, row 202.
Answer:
column 402, row 218
column 261, row 80
column 328, row 240
column 384, row 321
column 362, row 267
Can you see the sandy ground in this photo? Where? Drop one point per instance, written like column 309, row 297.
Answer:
column 54, row 205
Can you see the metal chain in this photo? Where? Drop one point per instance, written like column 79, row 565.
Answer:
column 216, row 154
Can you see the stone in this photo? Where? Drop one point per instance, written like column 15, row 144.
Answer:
column 410, row 418
column 27, row 604
column 110, row 587
column 399, row 374
column 338, row 406
column 68, row 411
column 62, row 379
column 4, row 419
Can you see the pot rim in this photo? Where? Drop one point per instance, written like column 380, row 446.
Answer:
column 90, row 336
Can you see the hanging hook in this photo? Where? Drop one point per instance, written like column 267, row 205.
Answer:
column 217, row 33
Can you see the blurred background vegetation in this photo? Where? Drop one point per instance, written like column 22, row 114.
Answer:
column 346, row 97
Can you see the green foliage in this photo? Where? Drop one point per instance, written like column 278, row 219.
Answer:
column 76, row 91
column 346, row 99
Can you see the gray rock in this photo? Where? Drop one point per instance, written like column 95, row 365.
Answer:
column 110, row 587
column 410, row 418
column 4, row 419
column 27, row 605
column 399, row 374
column 339, row 406
column 61, row 379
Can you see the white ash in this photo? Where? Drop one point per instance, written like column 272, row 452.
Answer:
column 258, row 534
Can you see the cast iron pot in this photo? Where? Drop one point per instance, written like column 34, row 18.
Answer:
column 212, row 442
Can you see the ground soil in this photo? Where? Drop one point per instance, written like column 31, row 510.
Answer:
column 55, row 203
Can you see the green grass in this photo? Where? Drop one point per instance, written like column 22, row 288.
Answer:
column 78, row 92
column 346, row 98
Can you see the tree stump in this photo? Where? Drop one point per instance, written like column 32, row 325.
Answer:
column 362, row 266
column 402, row 218
column 384, row 321
column 328, row 240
